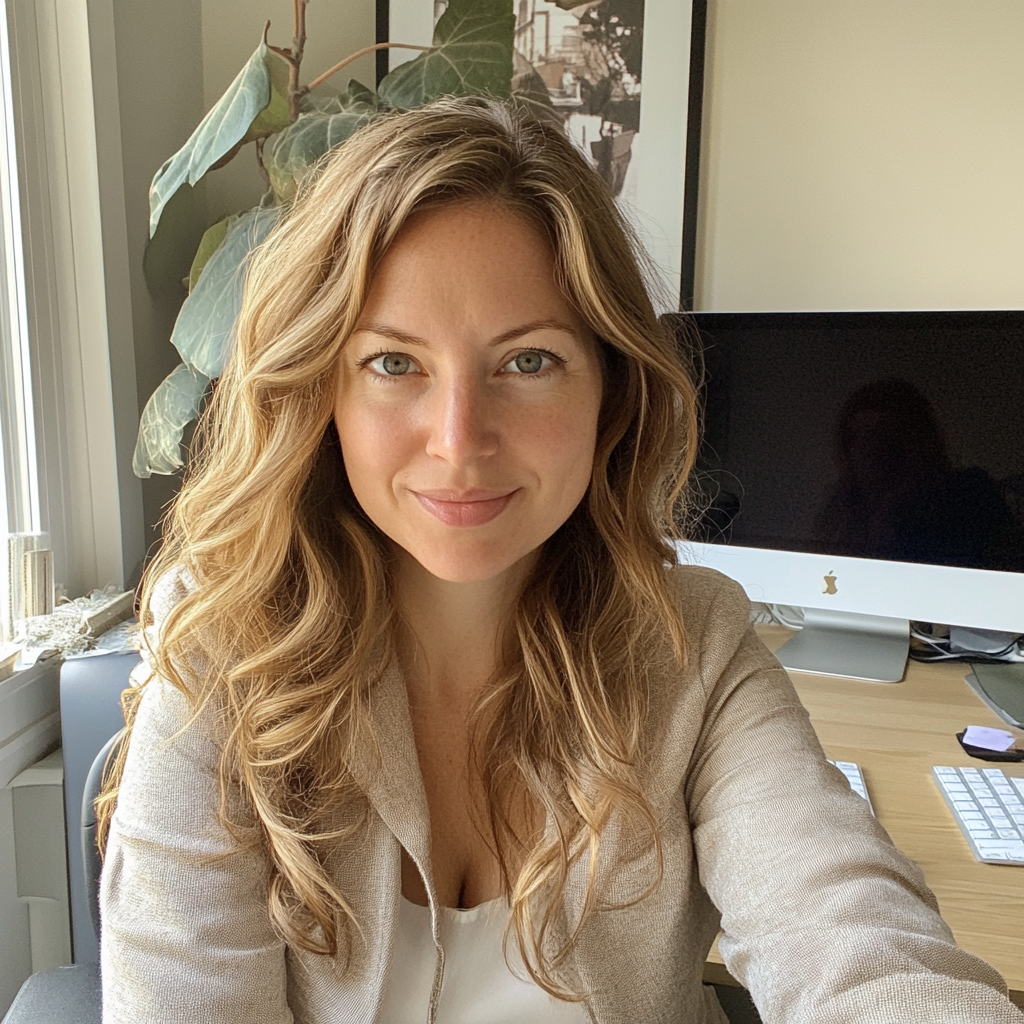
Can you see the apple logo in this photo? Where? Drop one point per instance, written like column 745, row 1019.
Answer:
column 830, row 584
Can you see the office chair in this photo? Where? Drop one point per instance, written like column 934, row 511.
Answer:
column 91, row 723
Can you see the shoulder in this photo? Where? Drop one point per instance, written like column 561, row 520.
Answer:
column 699, row 587
column 713, row 607
column 167, row 592
column 723, row 653
column 164, row 711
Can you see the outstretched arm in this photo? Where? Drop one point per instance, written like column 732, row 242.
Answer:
column 823, row 918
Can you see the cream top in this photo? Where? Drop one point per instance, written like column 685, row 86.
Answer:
column 478, row 987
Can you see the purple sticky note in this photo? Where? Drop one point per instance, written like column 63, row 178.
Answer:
column 988, row 739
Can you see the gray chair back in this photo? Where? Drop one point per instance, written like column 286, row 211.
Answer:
column 90, row 714
column 92, row 861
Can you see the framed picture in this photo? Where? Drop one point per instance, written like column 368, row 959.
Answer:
column 626, row 78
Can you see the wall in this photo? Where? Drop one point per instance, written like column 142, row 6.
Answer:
column 160, row 91
column 862, row 155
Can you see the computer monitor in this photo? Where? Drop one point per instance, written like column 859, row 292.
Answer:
column 868, row 467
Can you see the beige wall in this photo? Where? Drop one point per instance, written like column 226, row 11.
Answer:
column 863, row 154
column 232, row 30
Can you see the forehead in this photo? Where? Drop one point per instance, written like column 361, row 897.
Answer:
column 477, row 259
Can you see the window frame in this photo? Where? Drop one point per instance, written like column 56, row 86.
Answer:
column 78, row 313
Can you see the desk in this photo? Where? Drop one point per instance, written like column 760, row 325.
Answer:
column 896, row 732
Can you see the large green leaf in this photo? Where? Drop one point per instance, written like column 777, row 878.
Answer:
column 471, row 55
column 276, row 114
column 168, row 254
column 204, row 329
column 290, row 155
column 174, row 404
column 356, row 98
column 208, row 245
column 230, row 122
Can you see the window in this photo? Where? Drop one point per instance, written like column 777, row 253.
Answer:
column 80, row 404
column 19, row 481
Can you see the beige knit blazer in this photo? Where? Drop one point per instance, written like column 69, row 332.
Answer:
column 824, row 919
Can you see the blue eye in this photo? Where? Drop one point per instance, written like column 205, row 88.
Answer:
column 394, row 364
column 529, row 362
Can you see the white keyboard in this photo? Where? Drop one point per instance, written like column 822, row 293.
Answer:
column 989, row 808
column 854, row 778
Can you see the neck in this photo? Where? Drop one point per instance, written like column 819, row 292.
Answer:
column 450, row 632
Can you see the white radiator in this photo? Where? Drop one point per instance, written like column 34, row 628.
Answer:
column 41, row 860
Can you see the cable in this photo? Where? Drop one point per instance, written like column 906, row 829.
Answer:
column 940, row 650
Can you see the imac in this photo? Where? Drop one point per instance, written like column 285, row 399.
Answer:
column 868, row 467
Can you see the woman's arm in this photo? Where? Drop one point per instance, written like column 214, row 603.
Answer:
column 824, row 919
column 185, row 932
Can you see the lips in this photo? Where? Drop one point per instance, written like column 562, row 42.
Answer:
column 465, row 508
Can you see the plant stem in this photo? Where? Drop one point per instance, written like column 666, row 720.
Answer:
column 295, row 91
column 264, row 173
column 361, row 53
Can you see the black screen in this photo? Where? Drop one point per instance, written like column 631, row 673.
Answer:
column 878, row 435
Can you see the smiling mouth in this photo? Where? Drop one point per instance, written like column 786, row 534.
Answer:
column 469, row 511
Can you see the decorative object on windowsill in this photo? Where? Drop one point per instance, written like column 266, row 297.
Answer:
column 76, row 627
column 292, row 126
column 29, row 575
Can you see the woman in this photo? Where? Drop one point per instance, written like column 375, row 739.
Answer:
column 420, row 647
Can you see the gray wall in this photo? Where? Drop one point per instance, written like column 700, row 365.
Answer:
column 160, row 90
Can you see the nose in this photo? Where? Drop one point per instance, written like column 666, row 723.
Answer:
column 461, row 428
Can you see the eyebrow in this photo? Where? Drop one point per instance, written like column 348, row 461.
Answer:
column 546, row 323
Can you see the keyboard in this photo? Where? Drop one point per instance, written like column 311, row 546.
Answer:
column 989, row 808
column 855, row 779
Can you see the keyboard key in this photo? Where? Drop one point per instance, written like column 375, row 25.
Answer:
column 1001, row 844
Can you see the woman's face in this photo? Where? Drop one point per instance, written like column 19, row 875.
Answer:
column 468, row 395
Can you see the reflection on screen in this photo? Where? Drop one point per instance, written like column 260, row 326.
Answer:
column 896, row 436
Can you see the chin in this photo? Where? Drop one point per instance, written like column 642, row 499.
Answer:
column 467, row 566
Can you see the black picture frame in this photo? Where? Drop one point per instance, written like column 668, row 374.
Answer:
column 690, row 185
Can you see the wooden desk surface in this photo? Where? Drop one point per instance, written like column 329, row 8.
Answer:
column 897, row 732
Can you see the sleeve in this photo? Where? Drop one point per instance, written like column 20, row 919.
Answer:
column 186, row 935
column 824, row 920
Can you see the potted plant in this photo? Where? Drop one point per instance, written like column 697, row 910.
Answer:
column 291, row 127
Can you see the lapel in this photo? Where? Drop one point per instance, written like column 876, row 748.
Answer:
column 389, row 774
column 389, row 771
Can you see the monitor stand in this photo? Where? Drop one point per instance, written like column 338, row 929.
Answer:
column 870, row 647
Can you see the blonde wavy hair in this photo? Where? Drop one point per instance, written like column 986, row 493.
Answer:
column 292, row 589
